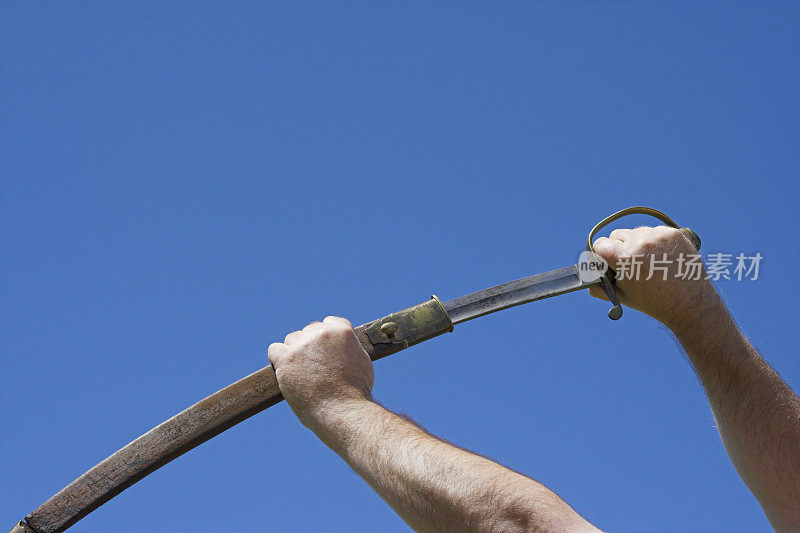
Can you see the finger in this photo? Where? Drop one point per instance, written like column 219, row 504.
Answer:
column 610, row 250
column 314, row 326
column 598, row 292
column 293, row 337
column 275, row 352
column 667, row 231
column 337, row 321
column 643, row 230
column 622, row 234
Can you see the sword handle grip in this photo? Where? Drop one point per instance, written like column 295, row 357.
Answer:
column 607, row 281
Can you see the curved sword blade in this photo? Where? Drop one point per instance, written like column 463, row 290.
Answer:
column 517, row 292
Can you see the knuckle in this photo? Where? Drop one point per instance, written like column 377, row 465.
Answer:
column 311, row 326
column 643, row 232
column 276, row 352
column 335, row 332
column 294, row 336
column 336, row 324
column 337, row 321
column 672, row 233
column 343, row 325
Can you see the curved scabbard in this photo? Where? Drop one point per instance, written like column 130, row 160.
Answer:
column 212, row 416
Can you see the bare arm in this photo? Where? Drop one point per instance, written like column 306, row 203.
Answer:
column 326, row 377
column 757, row 414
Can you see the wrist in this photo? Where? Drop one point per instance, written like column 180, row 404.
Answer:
column 709, row 317
column 335, row 413
column 699, row 309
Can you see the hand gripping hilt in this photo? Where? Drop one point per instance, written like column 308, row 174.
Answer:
column 607, row 280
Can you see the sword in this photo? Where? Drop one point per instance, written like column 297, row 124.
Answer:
column 258, row 391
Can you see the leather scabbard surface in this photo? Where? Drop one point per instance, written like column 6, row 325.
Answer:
column 213, row 415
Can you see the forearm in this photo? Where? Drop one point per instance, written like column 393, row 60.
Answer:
column 433, row 485
column 757, row 414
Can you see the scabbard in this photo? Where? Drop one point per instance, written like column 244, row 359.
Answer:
column 259, row 390
column 212, row 416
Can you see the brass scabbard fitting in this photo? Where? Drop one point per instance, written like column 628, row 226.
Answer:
column 21, row 527
column 405, row 328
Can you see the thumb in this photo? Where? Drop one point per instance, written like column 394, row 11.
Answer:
column 610, row 250
column 598, row 292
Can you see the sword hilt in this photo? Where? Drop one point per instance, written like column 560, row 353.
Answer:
column 607, row 280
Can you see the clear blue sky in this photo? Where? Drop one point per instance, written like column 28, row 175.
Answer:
column 184, row 183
